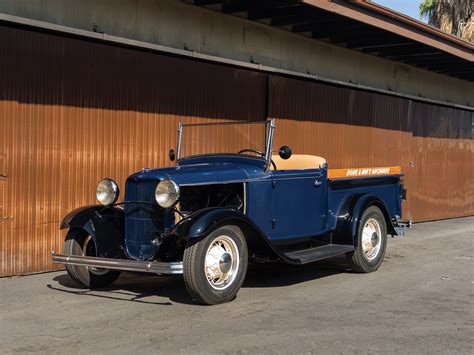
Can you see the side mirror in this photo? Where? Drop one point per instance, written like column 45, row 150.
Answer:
column 285, row 152
column 172, row 155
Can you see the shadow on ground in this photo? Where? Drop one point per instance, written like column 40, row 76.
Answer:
column 142, row 288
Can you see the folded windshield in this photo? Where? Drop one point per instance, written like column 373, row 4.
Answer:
column 250, row 137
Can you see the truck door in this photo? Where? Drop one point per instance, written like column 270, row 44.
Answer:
column 299, row 207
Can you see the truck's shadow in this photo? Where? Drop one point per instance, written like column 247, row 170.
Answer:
column 144, row 288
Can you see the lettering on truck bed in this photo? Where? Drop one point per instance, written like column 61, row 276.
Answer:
column 363, row 172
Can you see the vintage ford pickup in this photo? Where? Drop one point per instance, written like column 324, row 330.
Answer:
column 230, row 199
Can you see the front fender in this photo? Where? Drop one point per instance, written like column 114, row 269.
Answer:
column 201, row 223
column 104, row 225
column 204, row 221
column 350, row 214
column 80, row 217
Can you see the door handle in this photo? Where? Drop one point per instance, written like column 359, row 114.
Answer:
column 317, row 183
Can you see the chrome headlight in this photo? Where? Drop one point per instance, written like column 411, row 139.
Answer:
column 167, row 193
column 107, row 192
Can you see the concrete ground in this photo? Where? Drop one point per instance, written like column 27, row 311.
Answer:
column 419, row 302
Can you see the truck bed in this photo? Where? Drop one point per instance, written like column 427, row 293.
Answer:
column 383, row 182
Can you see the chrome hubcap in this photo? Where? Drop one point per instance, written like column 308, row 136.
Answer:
column 371, row 239
column 222, row 262
column 225, row 263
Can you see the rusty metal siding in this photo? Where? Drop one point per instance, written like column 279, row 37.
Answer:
column 348, row 127
column 443, row 171
column 433, row 144
column 72, row 112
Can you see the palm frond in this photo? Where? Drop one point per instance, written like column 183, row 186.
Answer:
column 452, row 16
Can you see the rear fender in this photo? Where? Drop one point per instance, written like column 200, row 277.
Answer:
column 104, row 224
column 201, row 223
column 350, row 213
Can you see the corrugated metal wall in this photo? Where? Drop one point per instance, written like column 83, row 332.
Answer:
column 74, row 111
column 350, row 128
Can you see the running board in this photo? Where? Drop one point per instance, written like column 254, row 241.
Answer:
column 318, row 253
column 119, row 264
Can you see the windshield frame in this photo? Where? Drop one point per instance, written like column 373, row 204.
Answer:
column 268, row 139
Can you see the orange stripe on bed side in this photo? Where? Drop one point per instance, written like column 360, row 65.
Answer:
column 363, row 172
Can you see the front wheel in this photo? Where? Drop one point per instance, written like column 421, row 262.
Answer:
column 215, row 266
column 78, row 242
column 371, row 241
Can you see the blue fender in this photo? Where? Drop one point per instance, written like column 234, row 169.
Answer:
column 201, row 223
column 204, row 221
column 80, row 218
column 104, row 224
column 350, row 214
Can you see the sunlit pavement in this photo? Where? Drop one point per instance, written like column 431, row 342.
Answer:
column 420, row 301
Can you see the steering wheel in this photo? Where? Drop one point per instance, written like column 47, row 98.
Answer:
column 259, row 153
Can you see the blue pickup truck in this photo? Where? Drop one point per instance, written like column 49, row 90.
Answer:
column 231, row 199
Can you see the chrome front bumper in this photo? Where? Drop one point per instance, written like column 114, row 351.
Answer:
column 119, row 264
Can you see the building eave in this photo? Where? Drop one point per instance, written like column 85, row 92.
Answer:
column 363, row 26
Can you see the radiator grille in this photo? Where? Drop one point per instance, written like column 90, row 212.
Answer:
column 144, row 219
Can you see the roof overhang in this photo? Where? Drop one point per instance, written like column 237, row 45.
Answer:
column 362, row 26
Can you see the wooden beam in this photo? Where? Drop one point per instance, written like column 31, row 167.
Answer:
column 261, row 13
column 232, row 6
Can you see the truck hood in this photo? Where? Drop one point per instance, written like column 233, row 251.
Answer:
column 202, row 172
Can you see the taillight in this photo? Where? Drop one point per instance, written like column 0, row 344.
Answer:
column 403, row 192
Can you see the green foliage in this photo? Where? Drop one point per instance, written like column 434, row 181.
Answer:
column 452, row 16
column 427, row 7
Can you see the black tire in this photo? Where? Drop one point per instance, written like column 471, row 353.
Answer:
column 360, row 260
column 76, row 241
column 207, row 291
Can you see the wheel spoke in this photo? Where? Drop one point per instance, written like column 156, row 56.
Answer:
column 221, row 262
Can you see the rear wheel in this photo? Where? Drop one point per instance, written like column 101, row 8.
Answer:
column 371, row 241
column 78, row 242
column 215, row 266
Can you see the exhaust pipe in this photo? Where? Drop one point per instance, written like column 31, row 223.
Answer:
column 154, row 267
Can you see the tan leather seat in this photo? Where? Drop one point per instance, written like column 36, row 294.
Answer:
column 298, row 162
